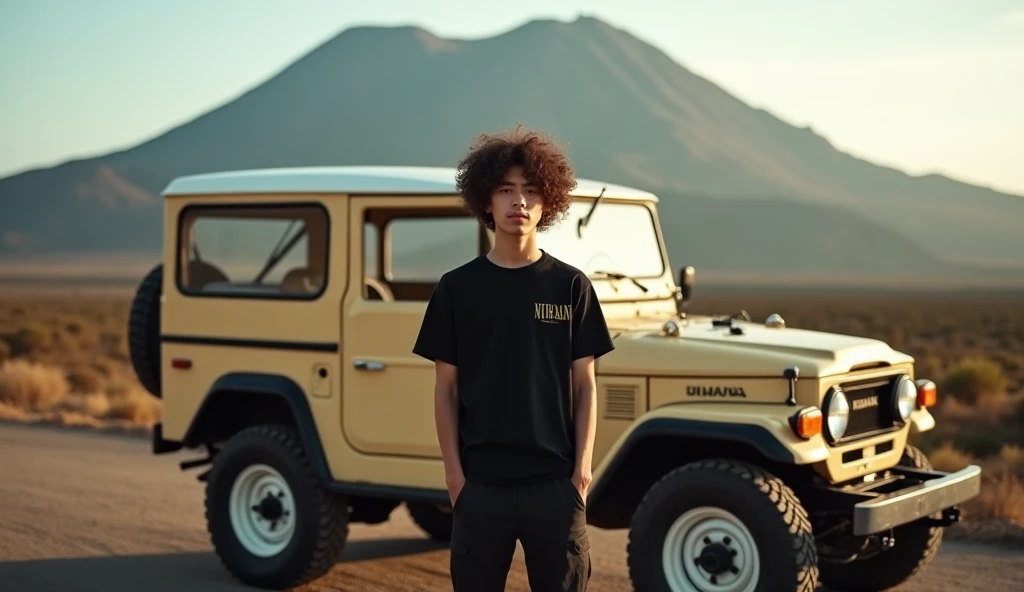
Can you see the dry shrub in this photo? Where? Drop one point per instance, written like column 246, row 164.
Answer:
column 927, row 366
column 1002, row 496
column 31, row 386
column 105, row 367
column 949, row 459
column 1010, row 461
column 75, row 326
column 70, row 419
column 94, row 405
column 1002, row 489
column 975, row 378
column 978, row 428
column 995, row 409
column 952, row 410
column 11, row 413
column 980, row 440
column 81, row 332
column 30, row 339
column 86, row 379
column 136, row 406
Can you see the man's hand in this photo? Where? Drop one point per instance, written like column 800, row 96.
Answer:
column 446, row 418
column 585, row 409
column 455, row 485
column 581, row 481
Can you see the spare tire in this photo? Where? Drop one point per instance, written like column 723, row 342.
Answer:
column 144, row 330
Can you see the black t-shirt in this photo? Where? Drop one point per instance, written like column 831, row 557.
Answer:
column 513, row 334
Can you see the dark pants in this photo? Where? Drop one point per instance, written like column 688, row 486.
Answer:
column 548, row 519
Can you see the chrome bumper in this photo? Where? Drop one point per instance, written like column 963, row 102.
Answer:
column 907, row 505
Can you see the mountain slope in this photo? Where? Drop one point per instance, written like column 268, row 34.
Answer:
column 400, row 95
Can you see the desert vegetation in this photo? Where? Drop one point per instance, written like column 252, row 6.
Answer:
column 64, row 359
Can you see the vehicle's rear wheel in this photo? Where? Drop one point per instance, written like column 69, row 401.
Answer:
column 271, row 522
column 434, row 519
column 915, row 546
column 723, row 526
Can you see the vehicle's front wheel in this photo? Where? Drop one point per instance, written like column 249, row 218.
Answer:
column 915, row 546
column 723, row 526
column 271, row 522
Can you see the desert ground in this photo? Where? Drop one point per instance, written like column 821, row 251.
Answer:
column 95, row 512
column 96, row 508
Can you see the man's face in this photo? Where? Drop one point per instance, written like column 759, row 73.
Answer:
column 516, row 204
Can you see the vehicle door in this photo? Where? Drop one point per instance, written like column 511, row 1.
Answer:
column 400, row 247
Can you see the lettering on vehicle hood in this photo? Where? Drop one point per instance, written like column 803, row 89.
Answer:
column 715, row 391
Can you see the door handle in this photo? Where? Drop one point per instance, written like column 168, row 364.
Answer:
column 369, row 365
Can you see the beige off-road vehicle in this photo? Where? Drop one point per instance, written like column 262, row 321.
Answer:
column 740, row 455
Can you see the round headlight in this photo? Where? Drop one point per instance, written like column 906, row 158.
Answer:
column 837, row 413
column 906, row 398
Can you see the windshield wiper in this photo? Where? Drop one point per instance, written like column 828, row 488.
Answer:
column 583, row 221
column 622, row 276
column 280, row 251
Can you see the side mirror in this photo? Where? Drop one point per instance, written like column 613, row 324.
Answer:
column 685, row 290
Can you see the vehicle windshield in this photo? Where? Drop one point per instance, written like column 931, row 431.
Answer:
column 620, row 238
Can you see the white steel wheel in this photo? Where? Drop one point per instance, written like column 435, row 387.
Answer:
column 262, row 510
column 708, row 549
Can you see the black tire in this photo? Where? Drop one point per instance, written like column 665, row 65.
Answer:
column 916, row 545
column 319, row 517
column 756, row 502
column 144, row 331
column 432, row 519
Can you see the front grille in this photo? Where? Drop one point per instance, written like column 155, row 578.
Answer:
column 871, row 406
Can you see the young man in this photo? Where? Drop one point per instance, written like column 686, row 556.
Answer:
column 514, row 335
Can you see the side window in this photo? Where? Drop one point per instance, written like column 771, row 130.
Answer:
column 253, row 251
column 371, row 256
column 422, row 249
column 373, row 287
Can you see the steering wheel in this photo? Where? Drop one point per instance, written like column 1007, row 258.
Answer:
column 380, row 288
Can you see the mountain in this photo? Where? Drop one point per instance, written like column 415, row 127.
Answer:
column 741, row 189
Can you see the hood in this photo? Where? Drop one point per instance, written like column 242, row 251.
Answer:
column 752, row 349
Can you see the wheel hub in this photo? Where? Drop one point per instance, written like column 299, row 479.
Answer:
column 716, row 558
column 262, row 510
column 708, row 549
column 270, row 507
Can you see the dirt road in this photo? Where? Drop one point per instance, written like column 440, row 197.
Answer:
column 87, row 512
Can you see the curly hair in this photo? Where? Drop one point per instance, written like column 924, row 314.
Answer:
column 544, row 164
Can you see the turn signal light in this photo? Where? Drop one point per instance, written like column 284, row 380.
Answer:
column 808, row 423
column 926, row 393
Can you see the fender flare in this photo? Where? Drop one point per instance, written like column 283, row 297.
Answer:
column 757, row 437
column 265, row 384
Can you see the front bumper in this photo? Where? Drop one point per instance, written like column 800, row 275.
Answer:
column 932, row 492
column 895, row 497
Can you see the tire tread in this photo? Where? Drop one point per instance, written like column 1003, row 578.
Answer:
column 144, row 331
column 791, row 512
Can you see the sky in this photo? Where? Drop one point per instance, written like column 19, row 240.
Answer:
column 922, row 85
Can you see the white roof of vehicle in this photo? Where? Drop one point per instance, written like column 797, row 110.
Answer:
column 355, row 180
